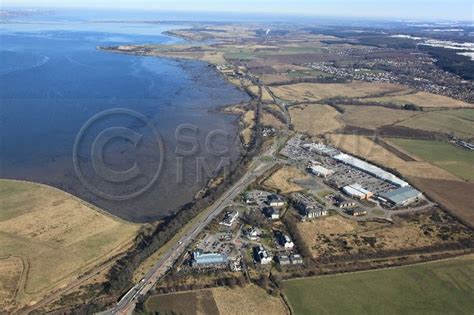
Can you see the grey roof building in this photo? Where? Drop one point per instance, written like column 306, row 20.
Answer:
column 401, row 196
column 201, row 259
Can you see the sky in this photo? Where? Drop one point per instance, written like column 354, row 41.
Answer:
column 407, row 9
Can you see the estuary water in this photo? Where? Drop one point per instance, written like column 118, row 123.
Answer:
column 53, row 84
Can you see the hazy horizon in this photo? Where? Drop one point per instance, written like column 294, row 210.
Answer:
column 457, row 10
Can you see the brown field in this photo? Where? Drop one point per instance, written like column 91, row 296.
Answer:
column 254, row 90
column 223, row 301
column 266, row 96
column 192, row 302
column 423, row 99
column 270, row 120
column 315, row 119
column 283, row 179
column 456, row 196
column 313, row 92
column 248, row 300
column 373, row 117
column 249, row 122
column 11, row 270
column 59, row 236
column 366, row 148
column 271, row 78
column 336, row 236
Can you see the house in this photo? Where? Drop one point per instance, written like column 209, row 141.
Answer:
column 275, row 201
column 296, row 259
column 261, row 255
column 283, row 260
column 286, row 242
column 230, row 218
column 252, row 234
column 340, row 202
column 206, row 260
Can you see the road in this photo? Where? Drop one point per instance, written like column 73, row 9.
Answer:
column 128, row 301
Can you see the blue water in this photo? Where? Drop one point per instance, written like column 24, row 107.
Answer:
column 53, row 79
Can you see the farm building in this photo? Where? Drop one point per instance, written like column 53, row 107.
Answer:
column 401, row 196
column 370, row 169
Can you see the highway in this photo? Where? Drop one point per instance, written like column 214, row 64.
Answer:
column 127, row 302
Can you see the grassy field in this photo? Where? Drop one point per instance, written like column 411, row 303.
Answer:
column 315, row 119
column 337, row 236
column 314, row 92
column 457, row 122
column 58, row 236
column 366, row 148
column 373, row 117
column 283, row 179
column 455, row 160
column 248, row 300
column 444, row 287
column 423, row 99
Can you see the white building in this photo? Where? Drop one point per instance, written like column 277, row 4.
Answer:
column 320, row 171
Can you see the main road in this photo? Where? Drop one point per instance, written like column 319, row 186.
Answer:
column 257, row 168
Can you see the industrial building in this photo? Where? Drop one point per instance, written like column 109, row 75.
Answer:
column 370, row 169
column 340, row 202
column 275, row 201
column 286, row 242
column 357, row 191
column 401, row 196
column 307, row 207
column 320, row 171
column 321, row 149
column 271, row 213
column 203, row 260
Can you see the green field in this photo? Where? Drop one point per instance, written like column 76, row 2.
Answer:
column 453, row 159
column 445, row 287
column 458, row 122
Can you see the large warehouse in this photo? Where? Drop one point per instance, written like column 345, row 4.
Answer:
column 371, row 169
column 401, row 196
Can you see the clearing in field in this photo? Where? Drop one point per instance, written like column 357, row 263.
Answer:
column 314, row 92
column 315, row 119
column 454, row 159
column 422, row 99
column 58, row 236
column 443, row 287
column 284, row 178
column 336, row 236
column 366, row 148
column 457, row 122
column 373, row 117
